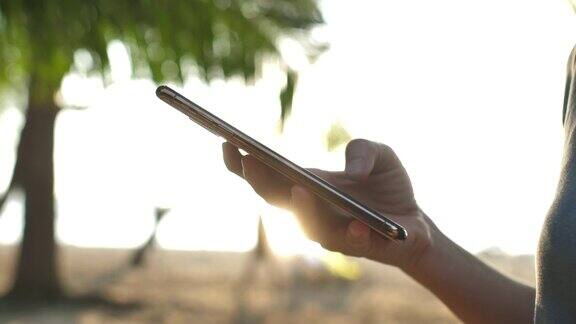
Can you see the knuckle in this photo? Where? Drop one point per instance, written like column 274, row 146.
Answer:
column 386, row 149
column 387, row 154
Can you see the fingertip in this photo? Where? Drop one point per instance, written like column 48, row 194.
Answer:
column 358, row 236
column 252, row 167
column 230, row 151
column 358, row 229
column 359, row 158
column 232, row 158
column 229, row 147
column 358, row 147
column 225, row 149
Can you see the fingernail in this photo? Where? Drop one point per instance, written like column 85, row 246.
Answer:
column 355, row 166
column 242, row 161
column 291, row 202
column 295, row 192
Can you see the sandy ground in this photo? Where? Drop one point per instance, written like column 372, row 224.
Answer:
column 208, row 287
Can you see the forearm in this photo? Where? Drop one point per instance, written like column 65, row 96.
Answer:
column 474, row 291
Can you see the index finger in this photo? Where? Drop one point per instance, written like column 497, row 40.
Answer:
column 232, row 158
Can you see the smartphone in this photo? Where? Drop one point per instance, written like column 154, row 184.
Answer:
column 329, row 193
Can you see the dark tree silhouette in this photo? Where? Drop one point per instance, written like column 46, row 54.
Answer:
column 38, row 40
column 140, row 254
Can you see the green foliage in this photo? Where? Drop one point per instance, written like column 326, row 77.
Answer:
column 337, row 135
column 286, row 96
column 166, row 39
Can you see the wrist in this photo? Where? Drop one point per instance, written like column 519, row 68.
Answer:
column 430, row 247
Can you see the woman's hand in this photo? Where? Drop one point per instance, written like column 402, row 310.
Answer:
column 374, row 176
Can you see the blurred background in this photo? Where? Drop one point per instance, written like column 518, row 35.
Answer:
column 115, row 208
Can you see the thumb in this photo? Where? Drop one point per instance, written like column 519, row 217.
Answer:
column 360, row 158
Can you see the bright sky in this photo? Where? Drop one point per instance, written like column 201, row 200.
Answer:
column 469, row 94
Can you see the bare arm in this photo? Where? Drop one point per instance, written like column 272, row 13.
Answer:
column 472, row 290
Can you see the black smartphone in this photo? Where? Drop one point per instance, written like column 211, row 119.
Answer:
column 342, row 201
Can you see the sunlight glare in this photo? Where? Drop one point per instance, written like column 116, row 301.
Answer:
column 285, row 234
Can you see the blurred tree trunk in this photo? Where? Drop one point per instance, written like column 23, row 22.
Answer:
column 36, row 275
column 262, row 250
